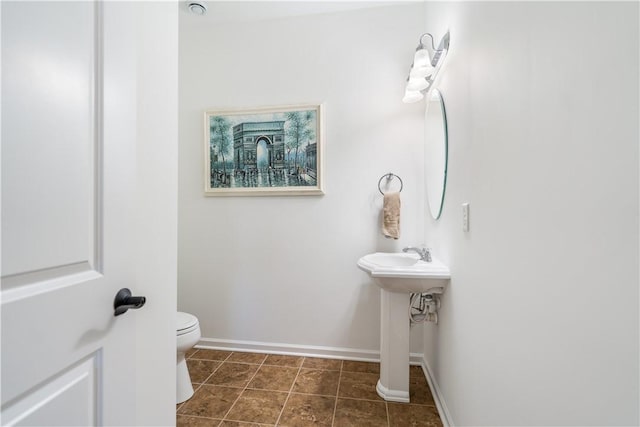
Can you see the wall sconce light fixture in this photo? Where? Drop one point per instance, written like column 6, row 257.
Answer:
column 425, row 68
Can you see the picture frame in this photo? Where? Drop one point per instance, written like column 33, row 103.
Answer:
column 268, row 151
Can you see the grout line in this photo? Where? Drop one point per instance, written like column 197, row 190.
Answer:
column 220, row 362
column 335, row 405
column 290, row 391
column 199, row 416
column 220, row 420
column 386, row 408
column 203, row 382
column 216, row 360
column 245, row 387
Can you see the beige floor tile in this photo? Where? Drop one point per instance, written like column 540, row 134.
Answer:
column 188, row 421
column 233, row 374
column 210, row 401
column 312, row 401
column 406, row 415
column 207, row 354
column 419, row 392
column 258, row 406
column 317, row 381
column 359, row 385
column 256, row 358
column 360, row 413
column 283, row 360
column 199, row 370
column 368, row 367
column 228, row 423
column 319, row 363
column 416, row 371
column 303, row 410
column 190, row 353
column 274, row 378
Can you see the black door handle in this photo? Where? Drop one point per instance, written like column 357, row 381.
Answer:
column 124, row 301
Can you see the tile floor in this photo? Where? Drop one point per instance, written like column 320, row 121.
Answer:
column 251, row 389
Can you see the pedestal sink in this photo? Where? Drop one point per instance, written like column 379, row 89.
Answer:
column 398, row 275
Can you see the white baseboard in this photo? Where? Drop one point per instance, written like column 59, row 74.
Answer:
column 300, row 350
column 443, row 411
column 392, row 395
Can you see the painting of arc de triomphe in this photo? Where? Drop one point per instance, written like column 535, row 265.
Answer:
column 247, row 136
column 275, row 151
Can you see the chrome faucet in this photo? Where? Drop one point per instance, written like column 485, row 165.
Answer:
column 425, row 253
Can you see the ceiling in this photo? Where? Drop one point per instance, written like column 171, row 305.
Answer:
column 247, row 11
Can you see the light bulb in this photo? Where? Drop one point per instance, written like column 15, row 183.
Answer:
column 412, row 96
column 417, row 83
column 422, row 72
column 422, row 58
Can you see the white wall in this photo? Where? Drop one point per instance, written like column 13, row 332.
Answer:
column 282, row 269
column 540, row 323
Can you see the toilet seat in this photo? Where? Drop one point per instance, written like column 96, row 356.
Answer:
column 186, row 323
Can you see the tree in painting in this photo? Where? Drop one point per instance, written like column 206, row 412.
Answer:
column 220, row 138
column 298, row 131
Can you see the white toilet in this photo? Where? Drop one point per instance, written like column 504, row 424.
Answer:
column 188, row 335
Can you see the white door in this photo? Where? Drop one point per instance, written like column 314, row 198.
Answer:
column 69, row 215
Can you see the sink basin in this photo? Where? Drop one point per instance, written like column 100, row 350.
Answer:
column 405, row 272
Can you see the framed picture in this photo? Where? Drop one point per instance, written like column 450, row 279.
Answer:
column 263, row 152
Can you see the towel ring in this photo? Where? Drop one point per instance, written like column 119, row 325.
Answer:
column 389, row 177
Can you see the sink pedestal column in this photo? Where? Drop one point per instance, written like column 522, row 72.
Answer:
column 393, row 384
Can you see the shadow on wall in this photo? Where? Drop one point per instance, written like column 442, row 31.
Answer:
column 366, row 299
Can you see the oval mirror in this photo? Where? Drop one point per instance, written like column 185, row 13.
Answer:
column 436, row 149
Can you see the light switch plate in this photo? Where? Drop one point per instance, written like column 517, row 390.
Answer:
column 465, row 217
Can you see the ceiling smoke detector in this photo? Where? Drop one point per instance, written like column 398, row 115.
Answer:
column 197, row 8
